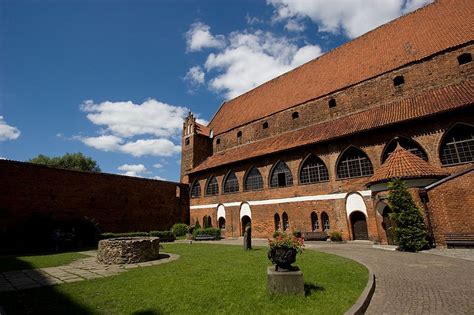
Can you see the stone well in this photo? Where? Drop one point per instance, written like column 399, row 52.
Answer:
column 128, row 250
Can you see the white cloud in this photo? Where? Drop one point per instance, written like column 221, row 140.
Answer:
column 158, row 177
column 2, row 158
column 293, row 25
column 8, row 132
column 254, row 58
column 136, row 170
column 158, row 165
column 195, row 76
column 104, row 143
column 251, row 20
column 353, row 18
column 199, row 37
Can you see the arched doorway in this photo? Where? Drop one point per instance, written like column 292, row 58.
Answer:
column 387, row 223
column 245, row 221
column 221, row 223
column 221, row 217
column 359, row 226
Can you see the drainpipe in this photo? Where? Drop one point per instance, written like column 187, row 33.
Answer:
column 424, row 199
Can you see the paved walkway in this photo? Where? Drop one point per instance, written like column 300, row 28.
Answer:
column 79, row 270
column 409, row 283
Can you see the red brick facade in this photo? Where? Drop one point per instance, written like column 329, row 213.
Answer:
column 436, row 95
column 117, row 203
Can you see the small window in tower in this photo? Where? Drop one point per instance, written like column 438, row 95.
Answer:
column 178, row 192
column 332, row 103
column 295, row 115
column 186, row 141
column 239, row 134
column 464, row 58
column 398, row 80
column 265, row 125
column 218, row 141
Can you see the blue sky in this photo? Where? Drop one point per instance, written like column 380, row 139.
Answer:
column 113, row 79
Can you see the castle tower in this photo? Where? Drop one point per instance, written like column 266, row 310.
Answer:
column 196, row 145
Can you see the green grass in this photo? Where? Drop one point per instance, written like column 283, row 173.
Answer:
column 207, row 279
column 9, row 263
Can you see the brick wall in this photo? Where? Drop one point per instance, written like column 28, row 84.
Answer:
column 117, row 203
column 451, row 207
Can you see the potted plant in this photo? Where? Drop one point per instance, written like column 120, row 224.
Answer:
column 283, row 250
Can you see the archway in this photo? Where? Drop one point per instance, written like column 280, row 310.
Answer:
column 245, row 221
column 387, row 223
column 359, row 226
column 221, row 217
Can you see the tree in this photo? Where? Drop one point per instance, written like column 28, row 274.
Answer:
column 70, row 161
column 410, row 229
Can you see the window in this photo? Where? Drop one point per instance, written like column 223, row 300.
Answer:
column 398, row 80
column 178, row 192
column 354, row 163
column 314, row 221
column 221, row 223
column 212, row 187
column 408, row 144
column 464, row 58
column 286, row 224
column 196, row 190
column 231, row 183
column 325, row 219
column 239, row 134
column 218, row 141
column 186, row 141
column 458, row 145
column 281, row 175
column 313, row 170
column 332, row 103
column 276, row 219
column 295, row 115
column 254, row 180
column 265, row 125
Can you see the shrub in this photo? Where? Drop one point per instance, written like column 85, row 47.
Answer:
column 197, row 225
column 410, row 229
column 180, row 229
column 165, row 236
column 297, row 233
column 335, row 236
column 277, row 233
column 287, row 241
column 104, row 236
column 209, row 231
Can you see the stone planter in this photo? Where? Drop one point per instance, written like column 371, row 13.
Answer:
column 282, row 257
column 128, row 250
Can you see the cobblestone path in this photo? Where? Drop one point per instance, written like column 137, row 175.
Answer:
column 79, row 270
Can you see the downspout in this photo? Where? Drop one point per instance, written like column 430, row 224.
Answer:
column 424, row 199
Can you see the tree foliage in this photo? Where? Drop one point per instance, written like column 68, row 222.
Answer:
column 70, row 161
column 410, row 229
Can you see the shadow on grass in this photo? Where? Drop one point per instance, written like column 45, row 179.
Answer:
column 31, row 300
column 148, row 312
column 309, row 288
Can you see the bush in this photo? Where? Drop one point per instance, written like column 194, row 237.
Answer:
column 209, row 231
column 197, row 225
column 165, row 236
column 277, row 233
column 410, row 229
column 104, row 236
column 297, row 233
column 335, row 236
column 180, row 229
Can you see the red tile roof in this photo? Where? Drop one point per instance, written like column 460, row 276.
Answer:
column 405, row 165
column 434, row 28
column 432, row 102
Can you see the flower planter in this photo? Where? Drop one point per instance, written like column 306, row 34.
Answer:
column 282, row 257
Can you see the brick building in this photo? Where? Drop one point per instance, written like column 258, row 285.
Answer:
column 299, row 152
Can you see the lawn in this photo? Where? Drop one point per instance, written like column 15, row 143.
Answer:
column 9, row 263
column 207, row 279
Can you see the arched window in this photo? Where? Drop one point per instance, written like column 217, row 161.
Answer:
column 231, row 183
column 314, row 221
column 196, row 190
column 281, row 175
column 276, row 218
column 212, row 187
column 408, row 144
column 325, row 219
column 286, row 224
column 221, row 223
column 354, row 163
column 313, row 170
column 458, row 145
column 254, row 180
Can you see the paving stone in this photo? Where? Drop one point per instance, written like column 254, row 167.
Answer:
column 73, row 279
column 6, row 288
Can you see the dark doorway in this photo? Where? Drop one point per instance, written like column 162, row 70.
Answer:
column 359, row 226
column 387, row 223
column 245, row 221
column 221, row 223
